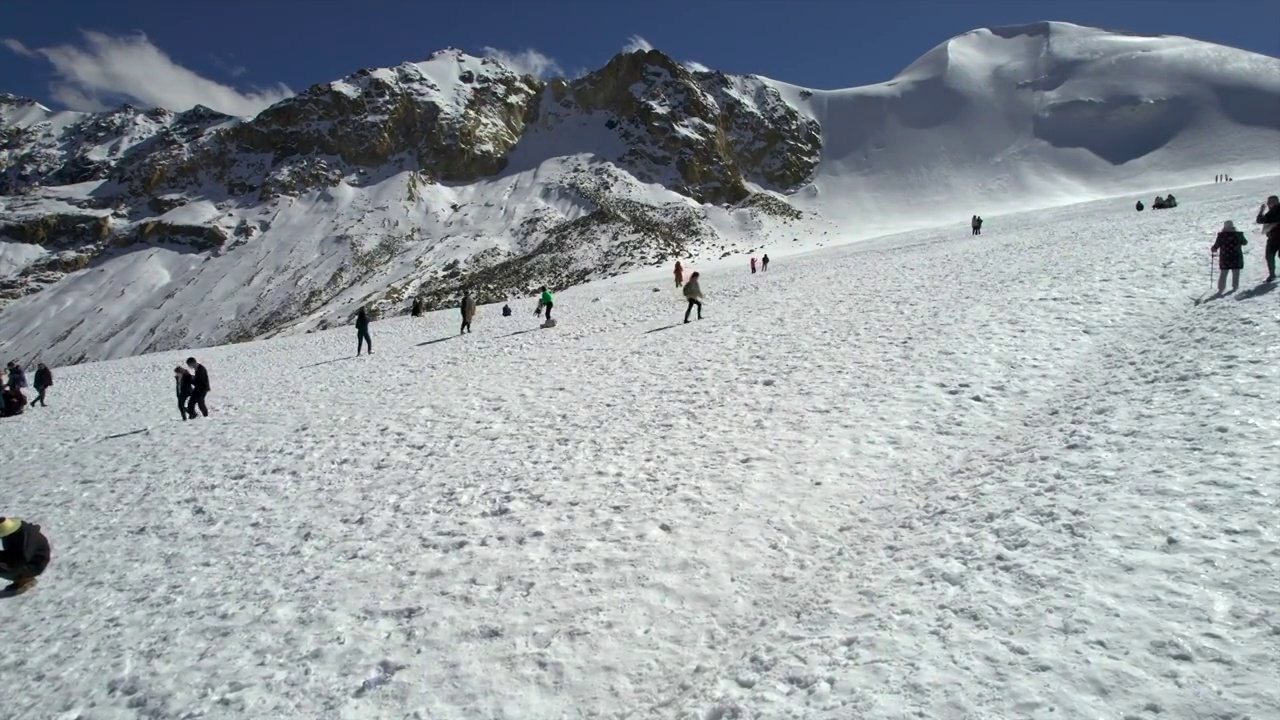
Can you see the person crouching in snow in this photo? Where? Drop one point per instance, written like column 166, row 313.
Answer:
column 1230, row 249
column 693, row 293
column 24, row 553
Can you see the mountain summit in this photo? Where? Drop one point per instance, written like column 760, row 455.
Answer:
column 138, row 230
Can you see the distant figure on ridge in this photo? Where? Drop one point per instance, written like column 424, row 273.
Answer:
column 43, row 381
column 693, row 293
column 545, row 300
column 24, row 554
column 753, row 264
column 506, row 310
column 362, row 331
column 764, row 263
column 184, row 383
column 1269, row 219
column 468, row 311
column 1139, row 206
column 416, row 309
column 976, row 224
column 1229, row 247
column 199, row 389
column 679, row 274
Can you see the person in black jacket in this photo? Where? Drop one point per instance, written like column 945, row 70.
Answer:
column 43, row 381
column 199, row 389
column 1269, row 219
column 24, row 553
column 362, row 332
column 184, row 383
column 1230, row 249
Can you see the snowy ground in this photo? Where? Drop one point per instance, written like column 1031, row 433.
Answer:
column 1023, row 475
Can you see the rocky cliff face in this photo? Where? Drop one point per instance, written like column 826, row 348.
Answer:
column 395, row 182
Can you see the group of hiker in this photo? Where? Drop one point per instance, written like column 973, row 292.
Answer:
column 12, row 400
column 192, row 384
column 1160, row 203
column 1230, row 242
column 975, row 224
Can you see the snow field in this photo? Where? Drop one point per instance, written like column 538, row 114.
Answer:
column 1017, row 475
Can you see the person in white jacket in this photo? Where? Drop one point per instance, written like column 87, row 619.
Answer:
column 693, row 293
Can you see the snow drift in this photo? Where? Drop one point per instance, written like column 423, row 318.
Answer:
column 136, row 231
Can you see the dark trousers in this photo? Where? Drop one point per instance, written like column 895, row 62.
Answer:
column 692, row 303
column 182, row 405
column 39, row 397
column 549, row 311
column 363, row 339
column 466, row 325
column 197, row 401
column 1273, row 249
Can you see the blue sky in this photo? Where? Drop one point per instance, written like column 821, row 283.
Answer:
column 242, row 54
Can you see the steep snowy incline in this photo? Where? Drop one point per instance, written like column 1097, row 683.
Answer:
column 1022, row 474
column 135, row 231
column 1012, row 118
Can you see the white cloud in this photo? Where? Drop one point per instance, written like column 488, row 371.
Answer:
column 695, row 66
column 526, row 62
column 635, row 43
column 108, row 70
column 17, row 47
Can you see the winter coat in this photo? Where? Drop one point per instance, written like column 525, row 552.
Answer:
column 1230, row 249
column 14, row 401
column 546, row 298
column 201, row 382
column 468, row 307
column 185, row 384
column 692, row 290
column 1270, row 222
column 362, row 322
column 506, row 311
column 44, row 378
column 24, row 550
column 17, row 378
column 1139, row 206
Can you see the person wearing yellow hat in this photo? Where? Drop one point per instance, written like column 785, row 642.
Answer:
column 24, row 554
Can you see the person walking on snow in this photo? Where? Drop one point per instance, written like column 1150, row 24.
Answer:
column 544, row 301
column 43, row 381
column 764, row 263
column 753, row 265
column 679, row 274
column 468, row 311
column 24, row 554
column 1230, row 249
column 183, row 384
column 693, row 293
column 1269, row 219
column 199, row 389
column 362, row 331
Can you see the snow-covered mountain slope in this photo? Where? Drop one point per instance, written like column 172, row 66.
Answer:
column 1051, row 494
column 137, row 231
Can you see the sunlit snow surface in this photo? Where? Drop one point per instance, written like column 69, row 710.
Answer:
column 1022, row 475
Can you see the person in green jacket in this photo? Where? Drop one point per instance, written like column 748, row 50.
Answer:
column 545, row 302
column 362, row 332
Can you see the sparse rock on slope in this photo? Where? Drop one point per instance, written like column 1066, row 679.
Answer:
column 139, row 230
